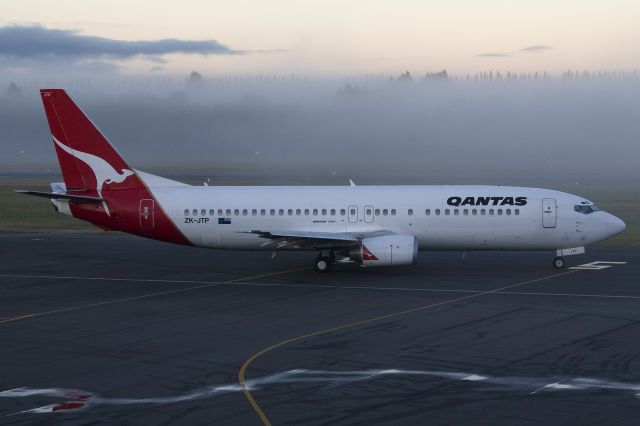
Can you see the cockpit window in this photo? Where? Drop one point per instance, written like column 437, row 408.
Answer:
column 586, row 209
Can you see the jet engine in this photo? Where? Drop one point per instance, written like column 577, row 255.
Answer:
column 387, row 250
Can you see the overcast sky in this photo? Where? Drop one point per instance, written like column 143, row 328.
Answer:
column 323, row 37
column 323, row 107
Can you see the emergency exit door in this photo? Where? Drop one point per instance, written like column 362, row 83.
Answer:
column 549, row 214
column 368, row 214
column 353, row 214
column 147, row 207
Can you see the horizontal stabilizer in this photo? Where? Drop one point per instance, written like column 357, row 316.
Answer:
column 62, row 196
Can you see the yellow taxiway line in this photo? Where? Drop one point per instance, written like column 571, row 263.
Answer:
column 243, row 369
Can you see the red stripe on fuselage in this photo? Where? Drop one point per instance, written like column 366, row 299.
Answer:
column 124, row 213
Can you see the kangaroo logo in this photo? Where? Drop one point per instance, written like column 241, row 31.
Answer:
column 103, row 171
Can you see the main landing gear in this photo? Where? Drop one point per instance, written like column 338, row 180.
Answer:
column 558, row 262
column 325, row 261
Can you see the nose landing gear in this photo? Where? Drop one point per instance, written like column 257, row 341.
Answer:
column 559, row 262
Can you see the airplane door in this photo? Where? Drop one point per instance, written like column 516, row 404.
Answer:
column 147, row 207
column 549, row 215
column 368, row 214
column 353, row 214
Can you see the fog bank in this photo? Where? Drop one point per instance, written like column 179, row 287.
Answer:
column 435, row 130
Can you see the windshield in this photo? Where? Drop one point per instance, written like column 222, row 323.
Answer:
column 586, row 209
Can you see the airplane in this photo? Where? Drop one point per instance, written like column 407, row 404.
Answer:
column 368, row 225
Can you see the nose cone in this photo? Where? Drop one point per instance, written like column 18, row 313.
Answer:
column 614, row 226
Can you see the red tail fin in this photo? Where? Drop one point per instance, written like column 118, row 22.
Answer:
column 91, row 166
column 86, row 157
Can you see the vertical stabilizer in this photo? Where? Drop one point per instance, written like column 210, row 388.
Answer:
column 101, row 188
column 87, row 159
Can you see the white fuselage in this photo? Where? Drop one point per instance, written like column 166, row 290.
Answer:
column 222, row 217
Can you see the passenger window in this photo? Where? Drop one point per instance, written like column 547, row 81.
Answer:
column 377, row 212
column 263, row 212
column 195, row 212
column 244, row 212
column 353, row 212
column 446, row 212
column 306, row 212
column 272, row 212
column 333, row 212
column 186, row 212
column 483, row 212
column 236, row 212
column 228, row 212
column 427, row 212
column 490, row 212
column 315, row 212
column 393, row 212
column 343, row 212
column 203, row 212
column 508, row 212
column 466, row 212
column 290, row 212
column 298, row 212
column 254, row 212
column 368, row 212
column 324, row 212
column 212, row 212
column 437, row 212
column 219, row 212
column 281, row 212
column 456, row 212
column 517, row 212
column 410, row 212
column 499, row 212
column 385, row 212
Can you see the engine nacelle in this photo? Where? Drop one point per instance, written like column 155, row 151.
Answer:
column 387, row 250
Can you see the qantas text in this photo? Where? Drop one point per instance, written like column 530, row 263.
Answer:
column 487, row 201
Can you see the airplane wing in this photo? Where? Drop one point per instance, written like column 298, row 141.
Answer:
column 312, row 239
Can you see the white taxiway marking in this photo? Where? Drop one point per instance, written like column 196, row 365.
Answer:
column 554, row 386
column 597, row 265
column 201, row 284
column 70, row 400
column 237, row 282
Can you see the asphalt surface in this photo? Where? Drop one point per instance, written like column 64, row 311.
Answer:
column 105, row 329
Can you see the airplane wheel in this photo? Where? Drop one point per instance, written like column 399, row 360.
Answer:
column 324, row 263
column 558, row 263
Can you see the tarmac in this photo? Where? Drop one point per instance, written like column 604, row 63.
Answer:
column 114, row 329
